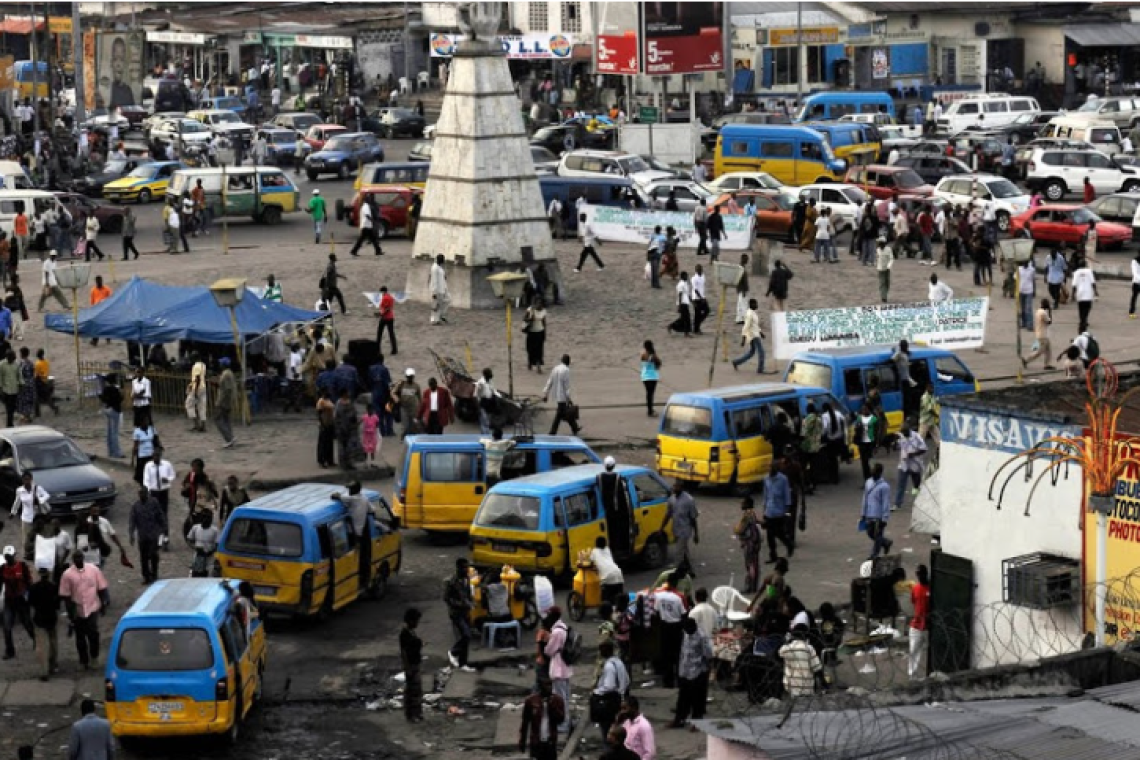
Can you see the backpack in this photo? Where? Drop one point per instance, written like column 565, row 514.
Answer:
column 571, row 650
column 1092, row 351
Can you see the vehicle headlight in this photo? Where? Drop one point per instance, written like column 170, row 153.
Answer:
column 106, row 489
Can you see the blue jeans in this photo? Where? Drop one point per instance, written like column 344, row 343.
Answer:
column 826, row 249
column 877, row 532
column 900, row 485
column 655, row 270
column 926, row 248
column 1026, row 301
column 868, row 256
column 318, row 228
column 755, row 346
column 113, row 418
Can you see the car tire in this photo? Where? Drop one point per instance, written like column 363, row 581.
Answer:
column 342, row 172
column 386, row 133
column 655, row 553
column 1003, row 221
column 568, row 142
column 1055, row 190
column 312, row 176
column 340, row 210
column 144, row 197
column 271, row 215
column 1131, row 187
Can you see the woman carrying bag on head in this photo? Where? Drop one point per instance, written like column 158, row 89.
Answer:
column 534, row 326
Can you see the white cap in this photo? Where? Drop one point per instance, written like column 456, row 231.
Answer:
column 316, row 191
column 52, row 252
column 409, row 372
column 9, row 551
column 609, row 462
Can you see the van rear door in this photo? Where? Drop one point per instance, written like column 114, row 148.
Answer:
column 163, row 676
column 452, row 484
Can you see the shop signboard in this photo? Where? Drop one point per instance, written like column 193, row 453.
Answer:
column 520, row 47
column 822, row 35
column 682, row 38
column 956, row 324
column 120, row 61
column 617, row 53
column 1122, row 560
column 648, row 115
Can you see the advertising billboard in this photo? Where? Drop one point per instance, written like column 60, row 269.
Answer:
column 617, row 53
column 120, row 62
column 683, row 38
column 521, row 47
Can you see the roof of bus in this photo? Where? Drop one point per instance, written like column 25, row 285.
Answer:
column 850, row 354
column 555, row 179
column 769, row 130
column 536, row 485
column 398, row 165
column 734, row 393
column 183, row 597
column 304, row 500
column 851, row 97
column 449, row 440
column 824, row 126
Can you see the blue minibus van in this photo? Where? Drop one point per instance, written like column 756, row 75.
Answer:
column 794, row 155
column 829, row 106
column 186, row 659
column 848, row 373
column 598, row 191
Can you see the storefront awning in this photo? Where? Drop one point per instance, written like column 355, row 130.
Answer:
column 18, row 26
column 1104, row 35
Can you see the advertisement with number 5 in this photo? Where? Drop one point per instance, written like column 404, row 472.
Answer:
column 683, row 38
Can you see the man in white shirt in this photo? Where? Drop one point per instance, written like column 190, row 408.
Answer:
column 589, row 244
column 704, row 613
column 437, row 286
column 1135, row 286
column 140, row 397
column 30, row 502
column 938, row 292
column 158, row 477
column 609, row 574
column 697, row 295
column 50, row 283
column 1085, row 292
column 1026, row 288
column 752, row 336
column 275, row 99
column 554, row 215
column 367, row 226
column 684, row 322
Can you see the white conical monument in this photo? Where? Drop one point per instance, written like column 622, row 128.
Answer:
column 482, row 208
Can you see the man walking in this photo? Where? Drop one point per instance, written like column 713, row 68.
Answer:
column 911, row 450
column 380, row 390
column 682, row 512
column 877, row 510
column 84, row 591
column 692, row 673
column 90, row 736
column 884, row 260
column 129, row 224
column 554, row 216
column 227, row 401
column 742, row 289
column 589, row 244
column 367, row 223
column 149, row 522
column 387, row 322
column 50, row 283
column 752, row 336
column 437, row 410
column 457, row 596
column 331, row 287
column 437, row 286
column 919, row 634
column 158, row 477
column 700, row 303
column 43, row 598
column 542, row 713
column 684, row 322
column 1042, row 320
column 558, row 389
column 700, row 224
column 319, row 212
column 778, row 285
column 716, row 233
column 777, row 505
column 1085, row 292
column 653, row 255
column 16, row 579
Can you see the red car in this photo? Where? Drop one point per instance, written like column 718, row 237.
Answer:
column 319, row 134
column 1056, row 223
column 882, row 181
column 392, row 204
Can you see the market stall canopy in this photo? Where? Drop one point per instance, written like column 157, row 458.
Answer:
column 147, row 312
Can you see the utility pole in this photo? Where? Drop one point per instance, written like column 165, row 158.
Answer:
column 34, row 55
column 77, row 61
column 50, row 57
column 799, row 54
column 407, row 48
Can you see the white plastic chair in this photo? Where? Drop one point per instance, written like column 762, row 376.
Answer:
column 423, row 79
column 405, row 85
column 732, row 605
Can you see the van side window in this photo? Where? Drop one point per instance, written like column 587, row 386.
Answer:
column 237, row 633
column 518, row 463
column 811, row 152
column 776, row 149
column 968, row 108
column 951, row 368
column 888, row 378
column 338, row 535
column 747, row 423
column 567, row 458
column 581, row 508
column 738, row 148
column 324, row 540
column 453, row 467
column 649, row 490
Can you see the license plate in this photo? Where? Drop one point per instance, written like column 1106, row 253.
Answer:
column 264, row 590
column 318, row 164
column 503, row 548
column 80, row 506
column 686, row 466
column 160, row 708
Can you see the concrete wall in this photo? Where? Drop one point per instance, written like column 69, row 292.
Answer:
column 975, row 445
column 1045, row 43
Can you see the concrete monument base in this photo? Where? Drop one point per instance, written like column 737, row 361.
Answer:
column 468, row 285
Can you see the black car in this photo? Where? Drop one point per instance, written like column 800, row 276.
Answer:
column 394, row 122
column 559, row 138
column 74, row 485
column 933, row 168
column 1117, row 207
column 1021, row 130
column 92, row 184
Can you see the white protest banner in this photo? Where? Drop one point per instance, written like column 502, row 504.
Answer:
column 951, row 324
column 625, row 225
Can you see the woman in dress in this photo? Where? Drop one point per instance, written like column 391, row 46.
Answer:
column 747, row 531
column 26, row 397
column 370, row 435
column 196, row 396
column 534, row 325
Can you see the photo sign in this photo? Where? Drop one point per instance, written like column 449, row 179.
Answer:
column 953, row 324
column 623, row 225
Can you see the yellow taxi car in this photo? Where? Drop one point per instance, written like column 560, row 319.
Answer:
column 144, row 184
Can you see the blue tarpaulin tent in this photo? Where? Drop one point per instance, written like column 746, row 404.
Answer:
column 148, row 313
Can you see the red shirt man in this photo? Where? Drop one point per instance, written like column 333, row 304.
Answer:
column 1090, row 191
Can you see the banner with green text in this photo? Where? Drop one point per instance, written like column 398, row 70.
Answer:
column 613, row 224
column 952, row 324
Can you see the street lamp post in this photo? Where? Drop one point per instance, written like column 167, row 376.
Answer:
column 1019, row 251
column 726, row 275
column 227, row 294
column 509, row 286
column 73, row 277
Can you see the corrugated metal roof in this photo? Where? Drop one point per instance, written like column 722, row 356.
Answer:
column 1104, row 35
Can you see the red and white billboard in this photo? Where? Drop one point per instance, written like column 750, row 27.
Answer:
column 683, row 38
column 617, row 53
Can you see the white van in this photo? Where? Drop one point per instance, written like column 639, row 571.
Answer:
column 608, row 163
column 31, row 201
column 13, row 176
column 1103, row 135
column 985, row 111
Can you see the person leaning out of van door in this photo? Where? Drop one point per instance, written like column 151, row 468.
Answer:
column 359, row 508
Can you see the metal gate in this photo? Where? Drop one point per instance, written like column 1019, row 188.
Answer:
column 951, row 612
